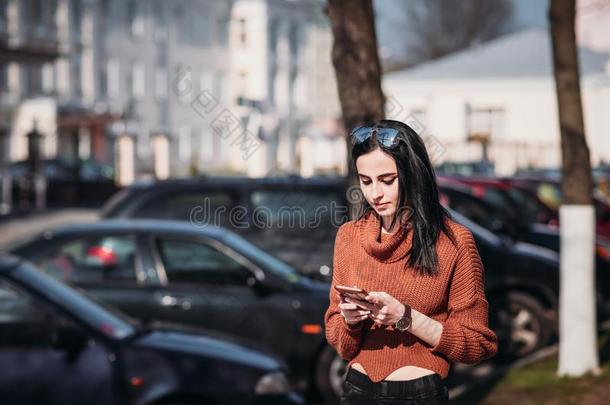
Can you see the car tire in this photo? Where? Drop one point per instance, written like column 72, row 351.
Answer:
column 520, row 322
column 329, row 375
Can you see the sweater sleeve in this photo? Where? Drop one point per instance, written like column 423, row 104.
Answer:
column 466, row 337
column 344, row 338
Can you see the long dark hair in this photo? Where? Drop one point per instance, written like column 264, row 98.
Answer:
column 418, row 193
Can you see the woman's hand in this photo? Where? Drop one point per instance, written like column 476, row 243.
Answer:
column 351, row 312
column 388, row 309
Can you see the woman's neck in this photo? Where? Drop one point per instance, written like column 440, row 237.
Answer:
column 386, row 222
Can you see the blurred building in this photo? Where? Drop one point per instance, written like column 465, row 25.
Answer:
column 282, row 74
column 112, row 73
column 153, row 78
column 498, row 101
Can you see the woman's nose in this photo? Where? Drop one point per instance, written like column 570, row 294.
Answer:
column 377, row 193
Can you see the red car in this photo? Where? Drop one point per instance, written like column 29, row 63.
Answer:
column 548, row 192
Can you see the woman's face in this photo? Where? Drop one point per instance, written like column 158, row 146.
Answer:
column 379, row 181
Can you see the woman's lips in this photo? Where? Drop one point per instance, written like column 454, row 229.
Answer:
column 380, row 205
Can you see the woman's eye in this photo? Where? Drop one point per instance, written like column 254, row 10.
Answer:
column 366, row 182
column 389, row 182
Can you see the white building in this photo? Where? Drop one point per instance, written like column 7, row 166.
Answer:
column 281, row 67
column 502, row 93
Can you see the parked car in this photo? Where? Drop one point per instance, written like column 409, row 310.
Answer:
column 276, row 214
column 549, row 192
column 203, row 276
column 522, row 287
column 493, row 216
column 58, row 346
column 520, row 277
column 85, row 183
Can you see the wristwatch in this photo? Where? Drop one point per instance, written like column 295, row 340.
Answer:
column 404, row 323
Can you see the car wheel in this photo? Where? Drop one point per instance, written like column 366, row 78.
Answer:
column 330, row 374
column 520, row 323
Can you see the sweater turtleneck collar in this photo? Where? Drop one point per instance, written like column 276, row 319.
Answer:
column 387, row 247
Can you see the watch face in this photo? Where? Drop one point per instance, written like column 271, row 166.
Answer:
column 403, row 323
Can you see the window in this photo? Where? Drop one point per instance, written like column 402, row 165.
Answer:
column 293, row 38
column 485, row 123
column 105, row 9
column 92, row 259
column 162, row 114
column 114, row 78
column 197, row 262
column 222, row 28
column 243, row 33
column 33, row 77
column 3, row 19
column 294, row 210
column 3, row 77
column 193, row 28
column 161, row 53
column 206, row 82
column 273, row 35
column 184, row 143
column 24, row 322
column 135, row 24
column 161, row 82
column 103, row 81
column 197, row 206
column 47, row 78
column 220, row 86
column 76, row 16
column 75, row 76
column 417, row 120
column 138, row 81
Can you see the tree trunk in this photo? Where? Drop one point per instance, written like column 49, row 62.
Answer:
column 577, row 315
column 357, row 66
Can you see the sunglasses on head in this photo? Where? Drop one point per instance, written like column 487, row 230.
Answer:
column 387, row 137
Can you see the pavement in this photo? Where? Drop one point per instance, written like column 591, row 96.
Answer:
column 17, row 228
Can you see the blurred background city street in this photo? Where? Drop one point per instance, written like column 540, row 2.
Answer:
column 185, row 164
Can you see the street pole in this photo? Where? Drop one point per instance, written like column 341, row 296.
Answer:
column 37, row 182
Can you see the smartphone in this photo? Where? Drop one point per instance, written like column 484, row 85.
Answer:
column 352, row 292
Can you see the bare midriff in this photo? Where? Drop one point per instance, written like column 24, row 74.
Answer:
column 400, row 374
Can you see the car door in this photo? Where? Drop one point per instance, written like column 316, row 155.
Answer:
column 209, row 286
column 45, row 358
column 107, row 265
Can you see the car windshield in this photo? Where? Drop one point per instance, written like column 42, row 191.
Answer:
column 258, row 255
column 83, row 306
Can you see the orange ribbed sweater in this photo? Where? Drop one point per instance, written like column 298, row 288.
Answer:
column 454, row 296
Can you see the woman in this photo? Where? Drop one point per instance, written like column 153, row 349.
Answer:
column 426, row 305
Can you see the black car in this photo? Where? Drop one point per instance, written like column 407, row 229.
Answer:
column 522, row 287
column 58, row 346
column 502, row 220
column 277, row 214
column 204, row 276
column 85, row 183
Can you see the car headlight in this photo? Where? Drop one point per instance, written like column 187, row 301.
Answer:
column 273, row 383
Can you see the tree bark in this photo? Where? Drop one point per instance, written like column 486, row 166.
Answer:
column 356, row 63
column 577, row 317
